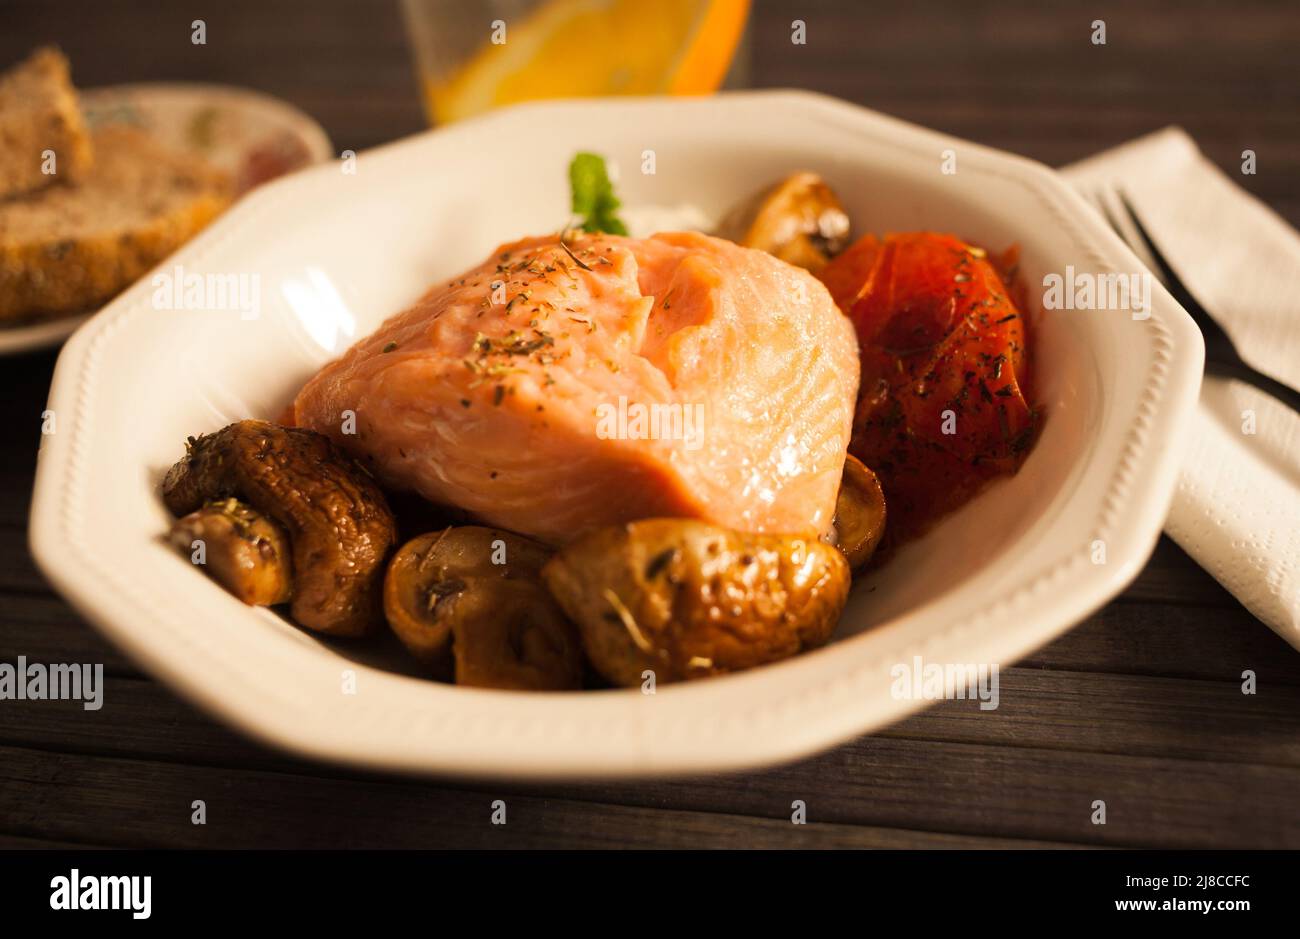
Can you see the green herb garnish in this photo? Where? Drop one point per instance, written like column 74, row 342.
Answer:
column 593, row 198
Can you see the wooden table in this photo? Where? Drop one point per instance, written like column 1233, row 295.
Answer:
column 1139, row 706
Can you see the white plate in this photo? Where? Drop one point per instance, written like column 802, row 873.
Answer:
column 250, row 135
column 28, row 337
column 338, row 253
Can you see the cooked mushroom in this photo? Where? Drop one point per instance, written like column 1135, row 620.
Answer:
column 685, row 599
column 336, row 518
column 859, row 513
column 473, row 594
column 799, row 220
column 240, row 549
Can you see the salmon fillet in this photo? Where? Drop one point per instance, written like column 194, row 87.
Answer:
column 559, row 387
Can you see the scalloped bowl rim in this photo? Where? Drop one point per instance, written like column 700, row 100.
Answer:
column 776, row 713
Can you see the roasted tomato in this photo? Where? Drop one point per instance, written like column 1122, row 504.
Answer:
column 943, row 404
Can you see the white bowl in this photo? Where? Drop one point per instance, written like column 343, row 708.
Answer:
column 337, row 253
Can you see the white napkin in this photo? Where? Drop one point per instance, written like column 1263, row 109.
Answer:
column 1237, row 506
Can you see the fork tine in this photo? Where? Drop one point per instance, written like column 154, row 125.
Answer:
column 1104, row 204
column 1221, row 355
column 1166, row 274
column 1134, row 244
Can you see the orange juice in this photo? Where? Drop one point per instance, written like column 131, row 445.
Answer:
column 521, row 50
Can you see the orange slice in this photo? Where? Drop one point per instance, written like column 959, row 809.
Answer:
column 583, row 48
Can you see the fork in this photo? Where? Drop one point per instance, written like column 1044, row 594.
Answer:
column 1221, row 356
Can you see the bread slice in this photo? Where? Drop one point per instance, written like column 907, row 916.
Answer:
column 39, row 113
column 72, row 247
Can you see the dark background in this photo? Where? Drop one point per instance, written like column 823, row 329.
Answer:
column 1139, row 706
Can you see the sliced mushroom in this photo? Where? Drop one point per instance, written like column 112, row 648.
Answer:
column 473, row 595
column 240, row 549
column 685, row 599
column 799, row 220
column 336, row 518
column 859, row 513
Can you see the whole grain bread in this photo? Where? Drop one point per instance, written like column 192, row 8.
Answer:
column 73, row 246
column 43, row 138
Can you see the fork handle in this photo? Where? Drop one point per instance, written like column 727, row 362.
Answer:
column 1243, row 372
